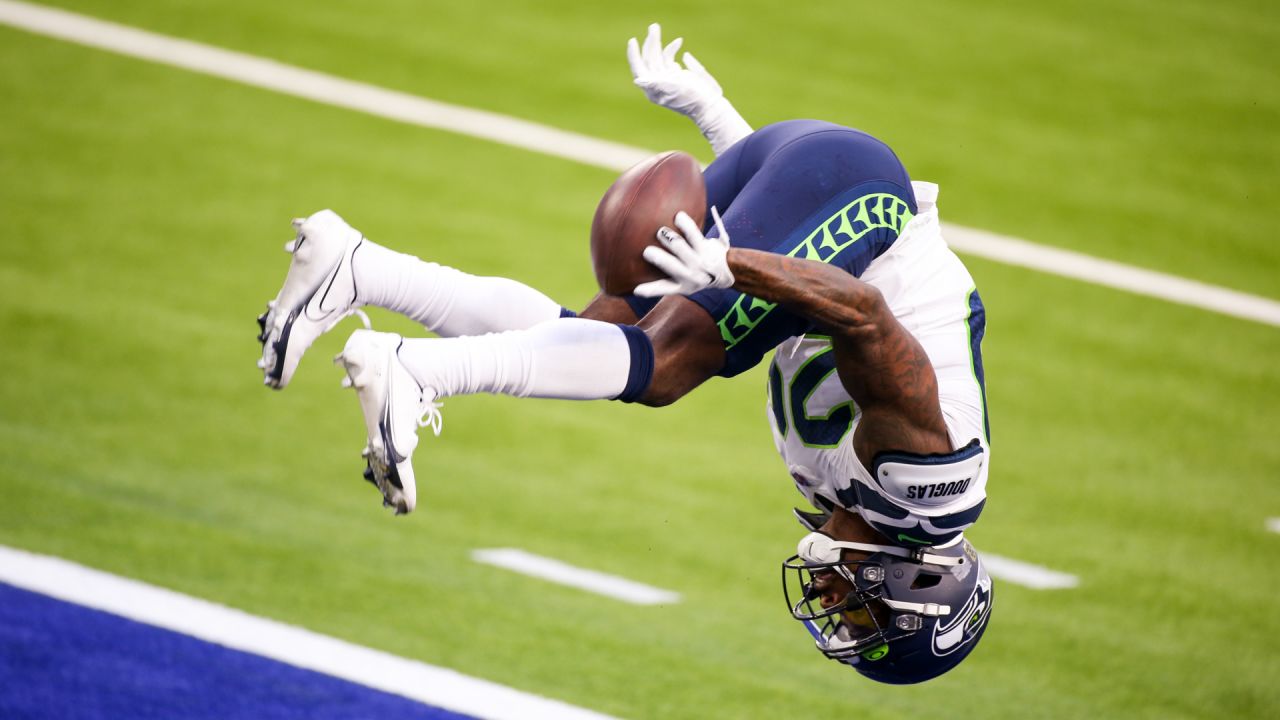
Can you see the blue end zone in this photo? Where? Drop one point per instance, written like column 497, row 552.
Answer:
column 59, row 660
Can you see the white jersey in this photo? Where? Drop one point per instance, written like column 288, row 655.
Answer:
column 813, row 418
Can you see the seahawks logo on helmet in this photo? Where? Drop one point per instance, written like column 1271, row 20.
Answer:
column 967, row 624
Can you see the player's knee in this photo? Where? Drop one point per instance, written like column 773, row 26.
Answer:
column 640, row 367
column 659, row 374
column 662, row 392
column 661, row 389
column 679, row 367
column 686, row 350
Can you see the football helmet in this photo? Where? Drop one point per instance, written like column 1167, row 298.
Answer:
column 895, row 615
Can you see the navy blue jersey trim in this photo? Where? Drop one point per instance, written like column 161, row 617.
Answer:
column 974, row 448
column 977, row 329
column 641, row 372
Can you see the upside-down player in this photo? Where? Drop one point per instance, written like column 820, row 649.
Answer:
column 875, row 392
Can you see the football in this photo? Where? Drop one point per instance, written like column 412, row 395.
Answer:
column 640, row 201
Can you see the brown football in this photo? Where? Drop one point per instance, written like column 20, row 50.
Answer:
column 640, row 201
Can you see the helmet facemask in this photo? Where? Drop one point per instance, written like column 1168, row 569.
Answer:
column 865, row 620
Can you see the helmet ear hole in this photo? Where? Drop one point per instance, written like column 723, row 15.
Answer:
column 925, row 580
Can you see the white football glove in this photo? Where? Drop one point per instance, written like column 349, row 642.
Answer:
column 689, row 90
column 692, row 261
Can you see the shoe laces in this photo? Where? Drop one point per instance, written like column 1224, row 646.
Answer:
column 431, row 416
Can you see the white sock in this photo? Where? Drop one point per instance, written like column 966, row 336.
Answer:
column 570, row 359
column 448, row 302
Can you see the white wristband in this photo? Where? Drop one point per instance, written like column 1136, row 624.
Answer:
column 721, row 124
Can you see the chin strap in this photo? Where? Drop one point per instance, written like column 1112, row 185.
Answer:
column 824, row 549
column 929, row 609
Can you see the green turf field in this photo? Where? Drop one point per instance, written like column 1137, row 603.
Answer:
column 145, row 208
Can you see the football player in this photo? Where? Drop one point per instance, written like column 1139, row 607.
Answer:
column 825, row 250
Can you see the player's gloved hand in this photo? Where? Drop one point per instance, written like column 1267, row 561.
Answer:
column 689, row 90
column 692, row 261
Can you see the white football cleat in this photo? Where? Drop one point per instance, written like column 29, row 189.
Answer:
column 394, row 407
column 318, row 292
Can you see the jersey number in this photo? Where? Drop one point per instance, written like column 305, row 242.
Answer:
column 818, row 431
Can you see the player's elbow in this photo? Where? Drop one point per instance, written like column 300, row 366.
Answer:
column 860, row 311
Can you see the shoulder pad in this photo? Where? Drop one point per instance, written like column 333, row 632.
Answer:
column 930, row 484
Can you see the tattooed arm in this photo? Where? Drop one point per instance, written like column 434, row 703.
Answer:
column 882, row 366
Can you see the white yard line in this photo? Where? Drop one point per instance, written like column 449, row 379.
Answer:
column 1109, row 273
column 362, row 97
column 1027, row 575
column 1273, row 524
column 545, row 568
column 526, row 563
column 232, row 628
column 322, row 88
